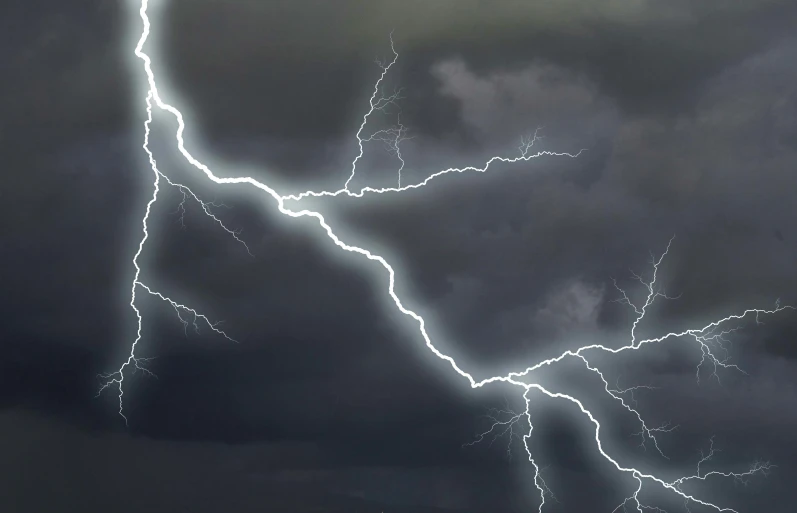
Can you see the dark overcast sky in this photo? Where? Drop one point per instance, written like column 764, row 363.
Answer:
column 329, row 401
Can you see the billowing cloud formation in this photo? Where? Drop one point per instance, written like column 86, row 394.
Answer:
column 503, row 104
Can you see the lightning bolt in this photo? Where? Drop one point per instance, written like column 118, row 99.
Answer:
column 707, row 337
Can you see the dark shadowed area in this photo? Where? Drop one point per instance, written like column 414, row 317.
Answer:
column 329, row 401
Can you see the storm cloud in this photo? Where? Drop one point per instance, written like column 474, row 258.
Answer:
column 687, row 113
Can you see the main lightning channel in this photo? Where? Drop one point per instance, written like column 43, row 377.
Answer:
column 703, row 336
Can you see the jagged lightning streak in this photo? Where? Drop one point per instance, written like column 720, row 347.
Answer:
column 525, row 145
column 205, row 208
column 117, row 378
column 704, row 336
column 376, row 103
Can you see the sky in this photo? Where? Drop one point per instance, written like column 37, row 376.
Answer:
column 328, row 400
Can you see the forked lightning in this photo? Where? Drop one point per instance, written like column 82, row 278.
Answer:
column 709, row 338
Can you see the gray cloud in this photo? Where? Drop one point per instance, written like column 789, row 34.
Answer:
column 504, row 104
column 689, row 129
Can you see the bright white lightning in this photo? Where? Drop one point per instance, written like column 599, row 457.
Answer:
column 525, row 146
column 704, row 336
column 136, row 363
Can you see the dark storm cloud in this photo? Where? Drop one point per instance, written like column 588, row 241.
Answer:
column 689, row 128
column 65, row 229
column 63, row 77
column 52, row 465
column 713, row 179
column 649, row 57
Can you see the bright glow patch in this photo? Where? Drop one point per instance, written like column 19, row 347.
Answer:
column 708, row 338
